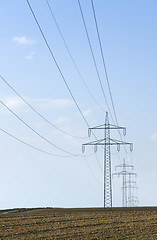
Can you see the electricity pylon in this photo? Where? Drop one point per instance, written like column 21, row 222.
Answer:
column 133, row 201
column 131, row 185
column 126, row 184
column 107, row 142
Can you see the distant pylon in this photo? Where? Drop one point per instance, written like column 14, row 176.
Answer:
column 133, row 201
column 131, row 185
column 127, row 185
column 107, row 142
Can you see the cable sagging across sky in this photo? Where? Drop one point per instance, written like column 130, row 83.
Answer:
column 93, row 57
column 31, row 146
column 104, row 64
column 105, row 69
column 57, row 65
column 37, row 112
column 72, row 58
column 41, row 136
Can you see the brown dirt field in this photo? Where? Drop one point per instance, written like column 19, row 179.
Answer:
column 92, row 223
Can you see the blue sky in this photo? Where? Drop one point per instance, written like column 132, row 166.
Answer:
column 128, row 33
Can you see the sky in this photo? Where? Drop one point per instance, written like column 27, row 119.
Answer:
column 60, row 93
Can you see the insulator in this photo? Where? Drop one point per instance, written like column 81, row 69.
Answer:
column 95, row 148
column 131, row 147
column 89, row 132
column 124, row 131
column 83, row 148
column 118, row 147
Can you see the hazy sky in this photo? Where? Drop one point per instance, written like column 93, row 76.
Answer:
column 29, row 178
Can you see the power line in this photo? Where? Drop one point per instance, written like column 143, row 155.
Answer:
column 98, row 162
column 105, row 69
column 91, row 49
column 92, row 173
column 68, row 50
column 45, row 152
column 39, row 149
column 29, row 145
column 48, row 153
column 104, row 64
column 39, row 114
column 45, row 139
column 56, row 63
column 94, row 60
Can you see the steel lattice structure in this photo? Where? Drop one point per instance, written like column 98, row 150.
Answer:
column 107, row 142
column 131, row 185
column 107, row 166
column 127, row 185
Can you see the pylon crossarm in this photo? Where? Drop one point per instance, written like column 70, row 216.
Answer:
column 131, row 186
column 122, row 173
column 132, row 173
column 120, row 142
column 108, row 126
column 93, row 142
column 111, row 126
column 124, row 165
column 98, row 127
column 111, row 142
column 114, row 174
column 133, row 182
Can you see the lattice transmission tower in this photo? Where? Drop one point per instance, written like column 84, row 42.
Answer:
column 131, row 185
column 126, row 171
column 107, row 142
column 133, row 201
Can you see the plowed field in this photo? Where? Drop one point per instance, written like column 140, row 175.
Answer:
column 118, row 223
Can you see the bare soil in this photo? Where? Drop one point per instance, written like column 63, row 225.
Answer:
column 92, row 223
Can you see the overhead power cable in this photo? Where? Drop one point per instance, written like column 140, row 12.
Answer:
column 104, row 64
column 41, row 136
column 98, row 162
column 105, row 69
column 31, row 146
column 94, row 60
column 39, row 114
column 51, row 154
column 93, row 57
column 74, row 63
column 92, row 173
column 57, row 65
